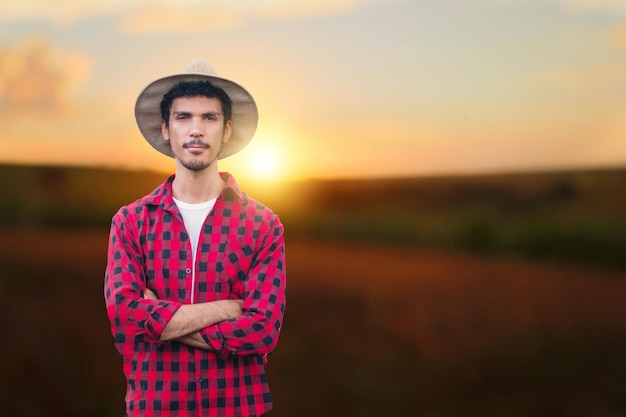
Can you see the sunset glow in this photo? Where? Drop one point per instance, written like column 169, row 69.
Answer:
column 261, row 162
column 344, row 88
column 265, row 164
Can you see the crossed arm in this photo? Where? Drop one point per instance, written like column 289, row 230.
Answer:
column 250, row 326
column 186, row 322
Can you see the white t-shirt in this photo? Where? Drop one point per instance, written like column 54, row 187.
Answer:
column 194, row 216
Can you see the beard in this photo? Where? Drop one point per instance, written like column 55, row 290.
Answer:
column 196, row 165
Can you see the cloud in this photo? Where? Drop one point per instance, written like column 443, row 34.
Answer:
column 36, row 78
column 288, row 9
column 166, row 20
column 193, row 17
column 143, row 16
column 59, row 11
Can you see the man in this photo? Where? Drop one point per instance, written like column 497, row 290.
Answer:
column 195, row 278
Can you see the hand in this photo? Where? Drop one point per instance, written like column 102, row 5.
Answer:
column 230, row 308
column 148, row 294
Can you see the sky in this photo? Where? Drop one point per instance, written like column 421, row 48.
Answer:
column 345, row 88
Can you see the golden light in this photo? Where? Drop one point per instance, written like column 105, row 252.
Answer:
column 264, row 163
column 259, row 161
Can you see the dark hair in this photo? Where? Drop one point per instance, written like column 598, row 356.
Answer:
column 195, row 89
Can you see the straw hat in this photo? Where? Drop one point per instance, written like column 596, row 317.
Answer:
column 244, row 111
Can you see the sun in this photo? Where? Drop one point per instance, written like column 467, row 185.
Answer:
column 264, row 164
column 266, row 159
column 260, row 161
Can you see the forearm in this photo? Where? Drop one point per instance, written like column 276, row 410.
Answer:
column 190, row 318
column 253, row 333
column 130, row 315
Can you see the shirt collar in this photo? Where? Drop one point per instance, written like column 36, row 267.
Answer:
column 163, row 195
column 232, row 188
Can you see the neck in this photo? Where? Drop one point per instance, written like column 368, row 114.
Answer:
column 197, row 186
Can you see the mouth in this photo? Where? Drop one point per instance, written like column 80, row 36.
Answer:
column 195, row 147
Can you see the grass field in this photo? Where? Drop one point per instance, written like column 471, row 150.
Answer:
column 574, row 216
column 398, row 303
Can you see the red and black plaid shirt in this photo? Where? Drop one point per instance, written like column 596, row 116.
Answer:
column 240, row 255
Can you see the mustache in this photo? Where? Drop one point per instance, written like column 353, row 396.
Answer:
column 195, row 142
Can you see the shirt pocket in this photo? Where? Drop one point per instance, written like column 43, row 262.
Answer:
column 234, row 261
column 222, row 268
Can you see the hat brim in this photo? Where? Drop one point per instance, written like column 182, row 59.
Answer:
column 245, row 114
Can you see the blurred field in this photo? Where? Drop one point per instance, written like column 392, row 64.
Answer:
column 576, row 216
column 383, row 318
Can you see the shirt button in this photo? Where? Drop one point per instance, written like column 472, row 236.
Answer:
column 200, row 380
column 188, row 270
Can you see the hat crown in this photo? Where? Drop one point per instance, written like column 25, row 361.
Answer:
column 198, row 66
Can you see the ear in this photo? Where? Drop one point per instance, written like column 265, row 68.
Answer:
column 165, row 131
column 228, row 130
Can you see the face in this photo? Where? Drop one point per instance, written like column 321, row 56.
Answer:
column 196, row 131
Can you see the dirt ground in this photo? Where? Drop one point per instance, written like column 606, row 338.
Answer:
column 366, row 326
column 449, row 303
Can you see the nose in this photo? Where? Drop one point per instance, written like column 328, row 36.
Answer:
column 196, row 130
